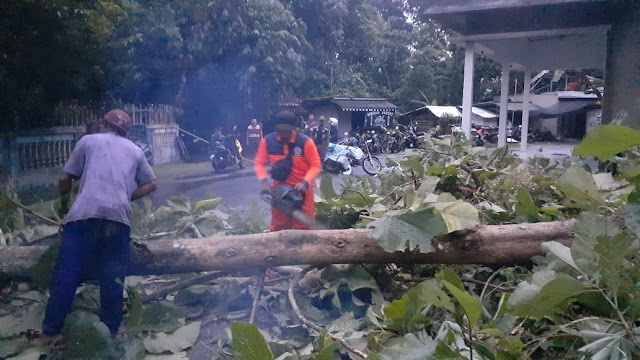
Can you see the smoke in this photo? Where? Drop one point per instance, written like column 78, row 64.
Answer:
column 214, row 98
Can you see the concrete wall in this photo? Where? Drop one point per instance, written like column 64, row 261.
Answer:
column 163, row 139
column 546, row 125
column 622, row 76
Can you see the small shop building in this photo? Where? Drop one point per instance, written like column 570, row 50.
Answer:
column 353, row 113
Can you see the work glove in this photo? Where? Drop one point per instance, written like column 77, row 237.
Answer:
column 265, row 186
column 302, row 186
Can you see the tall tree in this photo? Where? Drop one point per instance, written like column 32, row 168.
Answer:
column 47, row 55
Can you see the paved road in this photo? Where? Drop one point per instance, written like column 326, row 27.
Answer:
column 240, row 192
column 236, row 191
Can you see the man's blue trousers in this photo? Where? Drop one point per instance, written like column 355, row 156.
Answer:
column 93, row 245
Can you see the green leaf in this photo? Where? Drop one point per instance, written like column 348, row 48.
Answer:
column 358, row 281
column 135, row 307
column 451, row 276
column 86, row 337
column 605, row 141
column 578, row 184
column 458, row 215
column 607, row 346
column 414, row 165
column 12, row 347
column 405, row 314
column 326, row 348
column 175, row 342
column 205, row 205
column 443, row 352
column 427, row 187
column 409, row 347
column 612, row 253
column 560, row 251
column 326, row 188
column 42, row 271
column 589, row 227
column 411, row 229
column 525, row 207
column 248, row 343
column 179, row 204
column 161, row 317
column 470, row 304
column 544, row 295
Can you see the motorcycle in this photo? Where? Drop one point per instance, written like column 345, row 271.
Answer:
column 227, row 154
column 517, row 135
column 411, row 140
column 370, row 164
column 397, row 143
column 478, row 139
column 341, row 158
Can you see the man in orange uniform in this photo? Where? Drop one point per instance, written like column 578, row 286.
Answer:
column 281, row 146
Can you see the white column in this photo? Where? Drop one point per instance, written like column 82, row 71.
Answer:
column 504, row 103
column 467, row 90
column 525, row 110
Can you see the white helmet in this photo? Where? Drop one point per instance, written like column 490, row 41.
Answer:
column 333, row 121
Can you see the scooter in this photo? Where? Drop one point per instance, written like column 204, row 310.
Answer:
column 227, row 154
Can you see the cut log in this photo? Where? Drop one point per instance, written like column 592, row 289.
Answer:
column 486, row 244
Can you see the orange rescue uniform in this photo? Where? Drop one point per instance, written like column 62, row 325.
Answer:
column 306, row 166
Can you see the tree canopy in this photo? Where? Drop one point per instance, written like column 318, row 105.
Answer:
column 222, row 60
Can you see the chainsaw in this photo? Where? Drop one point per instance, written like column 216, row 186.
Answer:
column 289, row 201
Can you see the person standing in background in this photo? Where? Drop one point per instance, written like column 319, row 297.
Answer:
column 311, row 122
column 335, row 136
column 320, row 136
column 254, row 135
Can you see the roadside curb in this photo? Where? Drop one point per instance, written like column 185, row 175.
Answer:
column 199, row 181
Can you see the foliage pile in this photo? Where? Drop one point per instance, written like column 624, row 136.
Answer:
column 579, row 301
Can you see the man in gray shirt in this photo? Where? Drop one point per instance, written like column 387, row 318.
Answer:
column 96, row 233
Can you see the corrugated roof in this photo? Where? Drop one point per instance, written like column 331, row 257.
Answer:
column 576, row 95
column 485, row 114
column 444, row 111
column 287, row 98
column 561, row 108
column 364, row 104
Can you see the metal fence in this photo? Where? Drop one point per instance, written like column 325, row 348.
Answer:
column 34, row 149
column 72, row 114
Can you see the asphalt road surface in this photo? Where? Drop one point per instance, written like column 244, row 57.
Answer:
column 237, row 193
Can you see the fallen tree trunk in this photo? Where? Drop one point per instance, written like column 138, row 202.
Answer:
column 486, row 244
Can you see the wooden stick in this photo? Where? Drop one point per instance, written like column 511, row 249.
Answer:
column 256, row 296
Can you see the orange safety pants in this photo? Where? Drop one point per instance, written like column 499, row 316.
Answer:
column 280, row 221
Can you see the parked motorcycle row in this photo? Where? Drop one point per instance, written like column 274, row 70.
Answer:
column 382, row 141
column 487, row 134
column 360, row 148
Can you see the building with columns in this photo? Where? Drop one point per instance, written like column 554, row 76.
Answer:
column 535, row 35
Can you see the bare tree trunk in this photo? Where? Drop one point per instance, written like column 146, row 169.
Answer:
column 495, row 244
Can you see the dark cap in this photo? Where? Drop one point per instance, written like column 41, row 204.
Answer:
column 285, row 117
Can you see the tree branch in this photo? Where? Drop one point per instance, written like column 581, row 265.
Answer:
column 483, row 244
